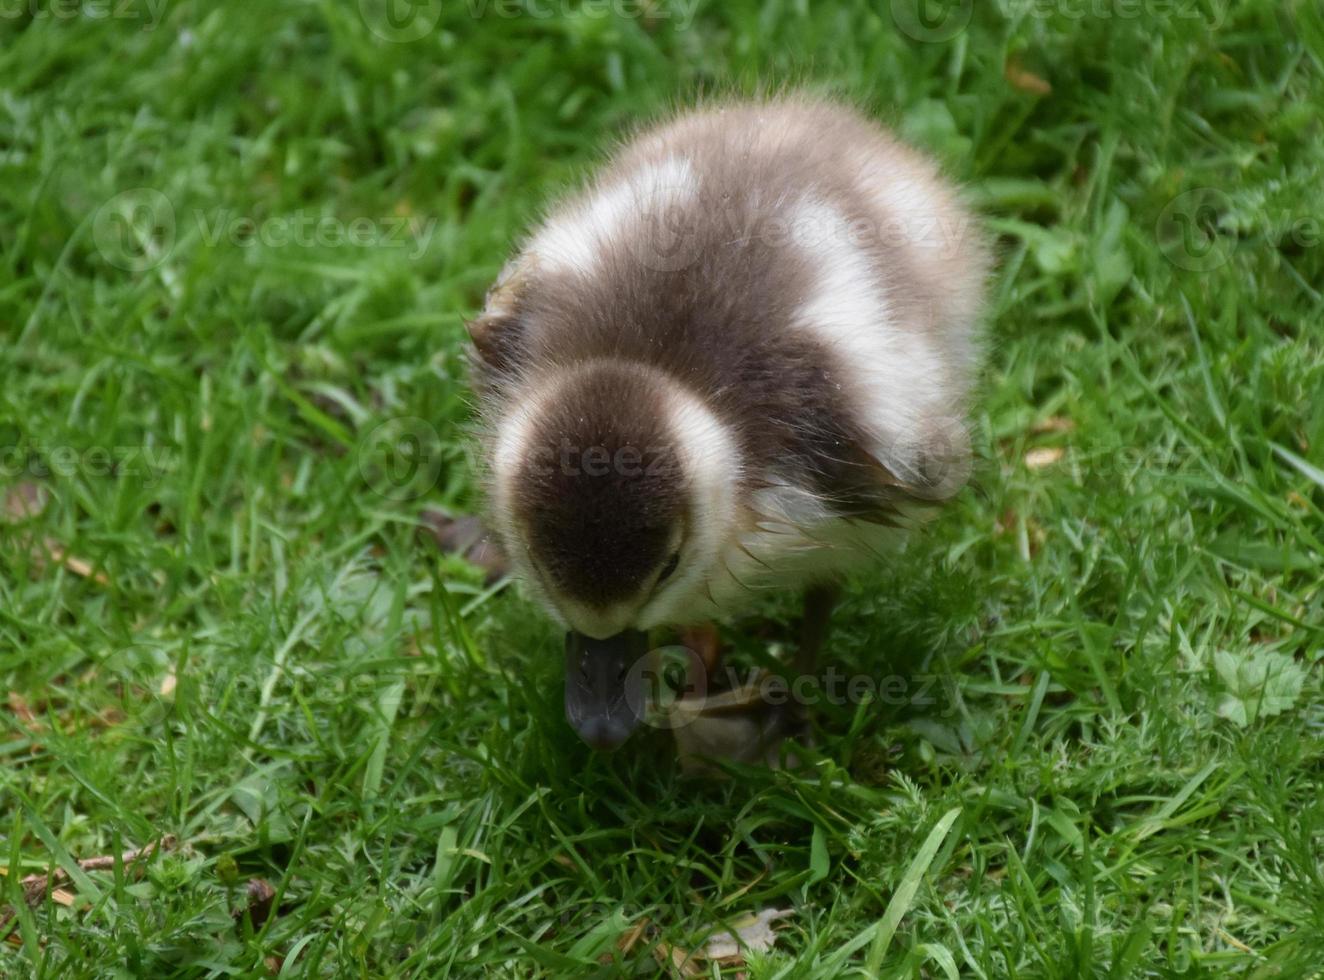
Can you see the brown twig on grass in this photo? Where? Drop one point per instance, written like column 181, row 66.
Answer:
column 38, row 887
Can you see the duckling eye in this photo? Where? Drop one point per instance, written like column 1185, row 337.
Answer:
column 668, row 568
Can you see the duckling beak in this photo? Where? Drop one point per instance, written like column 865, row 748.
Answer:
column 603, row 695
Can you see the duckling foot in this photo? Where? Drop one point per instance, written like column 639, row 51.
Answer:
column 748, row 723
column 465, row 537
column 737, row 725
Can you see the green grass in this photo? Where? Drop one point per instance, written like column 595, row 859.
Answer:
column 1081, row 647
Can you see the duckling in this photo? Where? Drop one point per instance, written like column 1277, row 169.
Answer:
column 738, row 359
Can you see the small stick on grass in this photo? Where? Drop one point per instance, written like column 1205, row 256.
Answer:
column 38, row 887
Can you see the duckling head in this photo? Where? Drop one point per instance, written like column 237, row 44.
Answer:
column 614, row 491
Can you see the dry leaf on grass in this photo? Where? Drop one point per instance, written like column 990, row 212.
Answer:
column 632, row 936
column 751, row 933
column 677, row 960
column 79, row 566
column 1026, row 81
column 1038, row 459
column 1056, row 423
column 21, row 710
column 24, row 501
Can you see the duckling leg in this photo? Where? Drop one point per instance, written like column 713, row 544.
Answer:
column 820, row 600
column 706, row 644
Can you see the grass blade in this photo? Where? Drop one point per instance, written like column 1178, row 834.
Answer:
column 1310, row 471
column 905, row 892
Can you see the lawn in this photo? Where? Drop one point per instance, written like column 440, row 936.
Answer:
column 237, row 246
